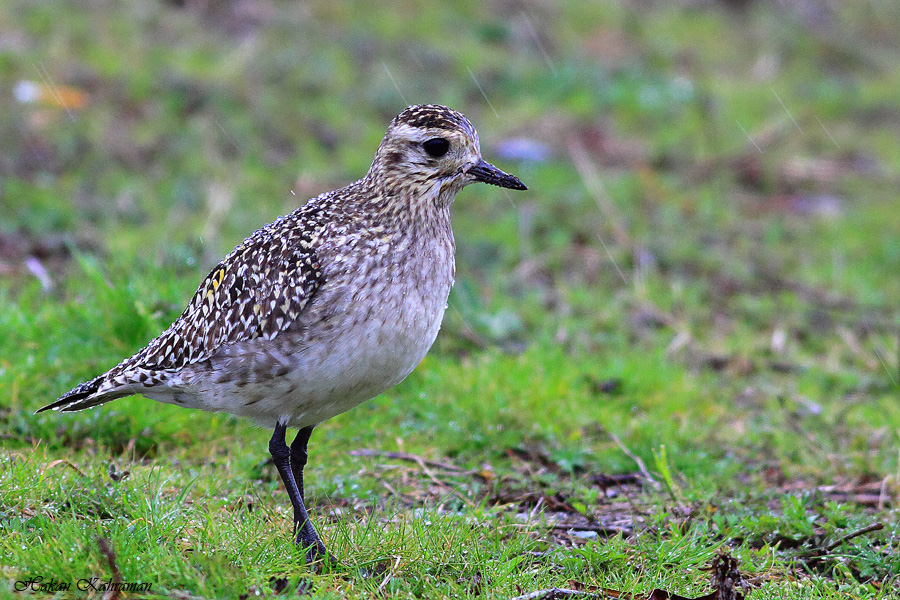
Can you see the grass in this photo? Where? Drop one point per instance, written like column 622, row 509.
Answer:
column 701, row 282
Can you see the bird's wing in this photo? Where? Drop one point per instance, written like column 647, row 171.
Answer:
column 258, row 291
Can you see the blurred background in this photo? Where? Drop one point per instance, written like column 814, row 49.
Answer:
column 706, row 260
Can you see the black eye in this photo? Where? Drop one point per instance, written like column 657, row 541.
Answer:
column 436, row 147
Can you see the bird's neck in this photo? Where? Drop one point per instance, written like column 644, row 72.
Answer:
column 409, row 199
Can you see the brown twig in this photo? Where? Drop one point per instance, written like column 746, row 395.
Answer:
column 63, row 461
column 407, row 457
column 555, row 594
column 637, row 459
column 114, row 592
column 390, row 574
column 439, row 483
column 868, row 529
column 423, row 464
column 400, row 496
column 853, row 534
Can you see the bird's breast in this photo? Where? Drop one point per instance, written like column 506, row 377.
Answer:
column 373, row 322
column 388, row 308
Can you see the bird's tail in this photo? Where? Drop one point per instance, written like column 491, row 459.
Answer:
column 88, row 394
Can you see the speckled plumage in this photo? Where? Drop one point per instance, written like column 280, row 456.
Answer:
column 327, row 306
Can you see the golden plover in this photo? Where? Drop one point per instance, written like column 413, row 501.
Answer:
column 324, row 308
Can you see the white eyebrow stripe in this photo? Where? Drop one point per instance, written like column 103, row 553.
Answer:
column 416, row 134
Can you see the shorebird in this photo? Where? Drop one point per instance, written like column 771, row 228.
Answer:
column 325, row 307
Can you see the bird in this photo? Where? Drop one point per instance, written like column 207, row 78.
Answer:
column 322, row 309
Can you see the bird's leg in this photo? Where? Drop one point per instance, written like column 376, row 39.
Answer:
column 304, row 533
column 299, row 456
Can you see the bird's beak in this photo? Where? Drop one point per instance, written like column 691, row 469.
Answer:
column 487, row 173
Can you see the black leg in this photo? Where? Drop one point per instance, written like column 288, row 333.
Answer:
column 304, row 533
column 299, row 456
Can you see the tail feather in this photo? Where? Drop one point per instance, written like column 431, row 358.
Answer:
column 85, row 396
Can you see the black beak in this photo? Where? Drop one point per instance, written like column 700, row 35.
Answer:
column 488, row 173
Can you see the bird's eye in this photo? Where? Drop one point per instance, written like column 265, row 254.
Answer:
column 436, row 147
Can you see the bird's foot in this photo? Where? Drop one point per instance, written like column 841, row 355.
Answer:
column 305, row 536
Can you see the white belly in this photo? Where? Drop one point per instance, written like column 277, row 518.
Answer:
column 367, row 359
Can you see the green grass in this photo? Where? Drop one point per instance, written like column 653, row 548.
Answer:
column 702, row 278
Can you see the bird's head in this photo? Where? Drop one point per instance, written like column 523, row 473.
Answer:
column 433, row 149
